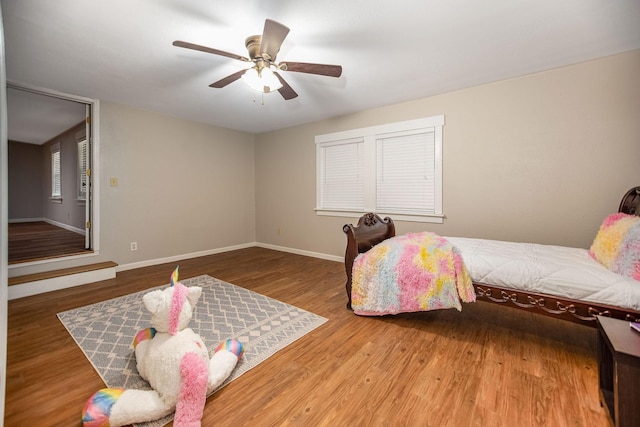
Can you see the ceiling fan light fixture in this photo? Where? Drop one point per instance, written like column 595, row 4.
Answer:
column 264, row 76
column 262, row 81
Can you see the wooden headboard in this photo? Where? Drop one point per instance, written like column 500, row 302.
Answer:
column 630, row 203
column 372, row 229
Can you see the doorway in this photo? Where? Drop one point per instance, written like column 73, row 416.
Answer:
column 50, row 154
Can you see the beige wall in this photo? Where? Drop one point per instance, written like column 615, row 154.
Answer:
column 29, row 181
column 24, row 181
column 183, row 188
column 541, row 158
column 70, row 211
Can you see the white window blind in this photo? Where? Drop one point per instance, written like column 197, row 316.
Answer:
column 56, row 190
column 388, row 169
column 341, row 168
column 405, row 173
column 82, row 169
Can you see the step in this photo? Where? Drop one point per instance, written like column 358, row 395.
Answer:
column 36, row 283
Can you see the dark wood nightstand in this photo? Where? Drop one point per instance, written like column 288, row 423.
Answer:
column 619, row 371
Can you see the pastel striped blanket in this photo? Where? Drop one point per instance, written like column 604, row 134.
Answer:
column 409, row 273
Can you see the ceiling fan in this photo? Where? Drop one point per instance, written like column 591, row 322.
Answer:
column 263, row 75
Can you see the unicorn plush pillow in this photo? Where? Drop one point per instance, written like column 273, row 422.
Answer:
column 175, row 362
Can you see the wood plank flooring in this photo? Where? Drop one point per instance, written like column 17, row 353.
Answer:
column 30, row 241
column 485, row 366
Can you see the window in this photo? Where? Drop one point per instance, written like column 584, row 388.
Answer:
column 388, row 169
column 56, row 190
column 82, row 169
column 342, row 175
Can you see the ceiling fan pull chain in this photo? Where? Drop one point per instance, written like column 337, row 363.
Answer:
column 261, row 96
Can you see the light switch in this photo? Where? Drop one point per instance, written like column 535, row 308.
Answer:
column 113, row 182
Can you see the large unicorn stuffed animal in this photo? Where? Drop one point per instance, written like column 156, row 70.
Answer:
column 175, row 362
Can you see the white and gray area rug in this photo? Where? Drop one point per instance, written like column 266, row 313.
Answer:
column 105, row 331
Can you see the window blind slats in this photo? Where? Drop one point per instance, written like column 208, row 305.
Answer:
column 342, row 180
column 82, row 169
column 405, row 173
column 55, row 174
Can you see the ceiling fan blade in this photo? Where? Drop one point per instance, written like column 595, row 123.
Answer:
column 187, row 45
column 305, row 67
column 229, row 79
column 273, row 35
column 286, row 91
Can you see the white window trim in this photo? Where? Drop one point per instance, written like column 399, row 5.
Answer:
column 56, row 198
column 369, row 134
column 81, row 196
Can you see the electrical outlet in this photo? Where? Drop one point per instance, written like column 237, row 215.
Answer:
column 134, row 246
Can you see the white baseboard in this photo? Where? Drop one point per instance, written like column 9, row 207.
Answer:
column 18, row 220
column 61, row 282
column 65, row 226
column 175, row 258
column 301, row 252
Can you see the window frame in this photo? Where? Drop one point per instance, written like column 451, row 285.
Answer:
column 370, row 135
column 56, row 178
column 82, row 168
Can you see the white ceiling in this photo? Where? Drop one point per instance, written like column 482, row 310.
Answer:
column 391, row 51
column 35, row 119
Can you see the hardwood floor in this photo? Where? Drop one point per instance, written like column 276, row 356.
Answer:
column 30, row 241
column 485, row 366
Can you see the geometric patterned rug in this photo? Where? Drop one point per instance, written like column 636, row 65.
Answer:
column 105, row 331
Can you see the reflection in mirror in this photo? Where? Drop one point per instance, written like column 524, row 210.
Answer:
column 48, row 188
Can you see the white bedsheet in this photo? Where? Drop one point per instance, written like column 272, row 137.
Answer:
column 554, row 270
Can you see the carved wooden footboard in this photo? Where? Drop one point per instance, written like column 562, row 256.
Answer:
column 566, row 309
column 372, row 229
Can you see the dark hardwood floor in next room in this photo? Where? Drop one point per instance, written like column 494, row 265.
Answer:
column 32, row 241
column 484, row 366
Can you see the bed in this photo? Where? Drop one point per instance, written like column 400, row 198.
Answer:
column 567, row 282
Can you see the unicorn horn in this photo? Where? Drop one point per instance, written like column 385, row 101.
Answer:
column 174, row 276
